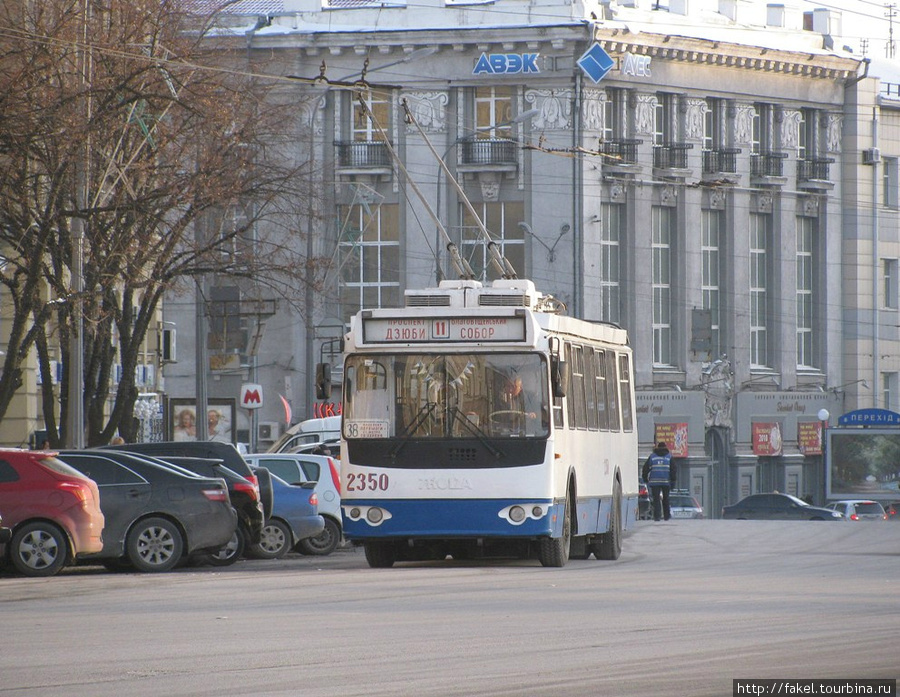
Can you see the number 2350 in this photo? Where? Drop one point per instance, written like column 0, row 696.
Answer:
column 367, row 482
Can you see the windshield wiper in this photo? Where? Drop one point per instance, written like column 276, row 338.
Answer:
column 473, row 428
column 404, row 437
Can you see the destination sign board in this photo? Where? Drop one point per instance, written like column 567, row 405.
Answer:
column 408, row 330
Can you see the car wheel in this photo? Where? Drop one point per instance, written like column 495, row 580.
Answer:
column 154, row 545
column 275, row 542
column 380, row 555
column 232, row 551
column 323, row 543
column 554, row 551
column 39, row 549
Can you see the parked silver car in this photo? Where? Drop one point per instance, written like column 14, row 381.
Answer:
column 859, row 509
column 325, row 471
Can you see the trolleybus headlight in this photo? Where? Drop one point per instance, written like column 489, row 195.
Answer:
column 537, row 512
column 354, row 513
column 374, row 515
column 517, row 514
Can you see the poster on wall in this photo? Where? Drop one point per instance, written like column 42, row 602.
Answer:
column 767, row 438
column 809, row 437
column 675, row 436
column 219, row 421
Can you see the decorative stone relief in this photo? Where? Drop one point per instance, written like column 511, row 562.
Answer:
column 743, row 124
column 835, row 124
column 790, row 130
column 809, row 207
column 668, row 196
column 429, row 110
column 593, row 109
column 762, row 202
column 312, row 114
column 643, row 113
column 696, row 118
column 554, row 108
column 616, row 193
column 716, row 199
column 490, row 186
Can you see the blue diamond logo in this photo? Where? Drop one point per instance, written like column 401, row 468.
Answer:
column 596, row 63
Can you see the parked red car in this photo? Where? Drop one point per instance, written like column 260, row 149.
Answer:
column 52, row 509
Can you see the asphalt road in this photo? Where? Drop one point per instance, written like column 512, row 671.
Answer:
column 690, row 606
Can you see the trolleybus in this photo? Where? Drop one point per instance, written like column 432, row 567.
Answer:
column 480, row 421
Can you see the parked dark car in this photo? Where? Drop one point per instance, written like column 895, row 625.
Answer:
column 295, row 518
column 154, row 513
column 776, row 506
column 244, row 498
column 52, row 509
column 214, row 450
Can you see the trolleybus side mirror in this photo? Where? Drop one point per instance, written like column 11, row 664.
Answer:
column 558, row 377
column 323, row 381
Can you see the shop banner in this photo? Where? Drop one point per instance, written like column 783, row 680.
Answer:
column 766, row 438
column 809, row 437
column 675, row 436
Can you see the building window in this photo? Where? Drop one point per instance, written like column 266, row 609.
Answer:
column 714, row 124
column 807, row 141
column 806, row 264
column 614, row 114
column 889, row 393
column 890, row 182
column 664, row 119
column 611, row 233
column 501, row 219
column 493, row 112
column 363, row 129
column 663, row 225
column 759, row 315
column 710, row 282
column 369, row 257
column 890, row 283
column 762, row 133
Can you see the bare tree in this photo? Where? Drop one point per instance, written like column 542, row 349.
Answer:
column 126, row 146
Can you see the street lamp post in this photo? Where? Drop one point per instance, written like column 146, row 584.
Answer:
column 823, row 415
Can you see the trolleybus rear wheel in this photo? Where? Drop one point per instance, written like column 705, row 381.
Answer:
column 609, row 544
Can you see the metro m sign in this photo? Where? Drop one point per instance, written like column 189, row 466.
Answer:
column 251, row 396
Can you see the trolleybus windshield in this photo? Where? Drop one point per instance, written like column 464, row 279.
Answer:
column 440, row 395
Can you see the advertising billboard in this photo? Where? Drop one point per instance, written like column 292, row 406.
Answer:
column 863, row 463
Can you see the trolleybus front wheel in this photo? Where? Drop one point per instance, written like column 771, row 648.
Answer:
column 380, row 555
column 554, row 551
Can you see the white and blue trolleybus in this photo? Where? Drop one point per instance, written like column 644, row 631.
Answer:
column 480, row 421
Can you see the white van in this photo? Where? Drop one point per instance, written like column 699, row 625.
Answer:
column 307, row 432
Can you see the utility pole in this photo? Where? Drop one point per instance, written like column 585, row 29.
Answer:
column 890, row 13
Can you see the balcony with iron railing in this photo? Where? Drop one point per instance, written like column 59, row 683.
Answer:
column 671, row 155
column 720, row 160
column 767, row 164
column 814, row 173
column 363, row 155
column 500, row 152
column 623, row 151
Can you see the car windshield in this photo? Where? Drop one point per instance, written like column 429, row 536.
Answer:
column 870, row 507
column 682, row 501
column 795, row 500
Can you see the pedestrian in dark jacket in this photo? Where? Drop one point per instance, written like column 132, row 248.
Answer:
column 659, row 473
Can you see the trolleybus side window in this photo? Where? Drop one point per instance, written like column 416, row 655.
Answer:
column 600, row 368
column 625, row 382
column 578, row 386
column 612, row 391
column 589, row 387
